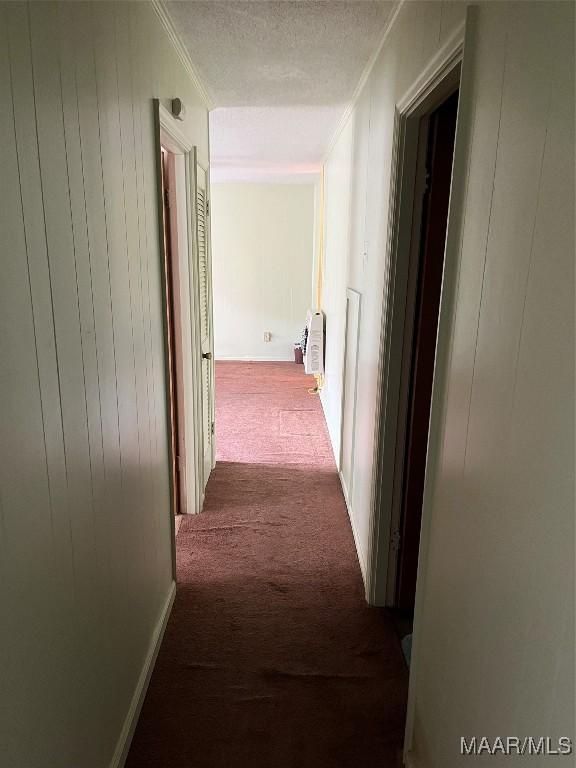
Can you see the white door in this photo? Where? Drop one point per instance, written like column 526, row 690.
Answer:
column 205, row 309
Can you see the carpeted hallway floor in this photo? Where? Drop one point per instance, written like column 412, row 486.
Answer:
column 271, row 657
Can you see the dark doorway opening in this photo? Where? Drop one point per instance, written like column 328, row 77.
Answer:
column 433, row 178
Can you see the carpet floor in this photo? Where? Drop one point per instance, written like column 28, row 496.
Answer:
column 271, row 657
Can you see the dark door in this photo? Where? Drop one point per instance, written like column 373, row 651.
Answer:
column 439, row 154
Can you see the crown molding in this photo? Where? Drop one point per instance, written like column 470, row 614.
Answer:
column 181, row 50
column 363, row 80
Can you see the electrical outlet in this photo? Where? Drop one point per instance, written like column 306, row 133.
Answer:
column 267, row 336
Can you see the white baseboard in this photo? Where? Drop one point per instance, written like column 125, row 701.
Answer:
column 359, row 551
column 121, row 752
column 335, row 451
column 252, row 359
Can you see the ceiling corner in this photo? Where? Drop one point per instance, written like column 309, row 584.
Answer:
column 182, row 52
column 363, row 79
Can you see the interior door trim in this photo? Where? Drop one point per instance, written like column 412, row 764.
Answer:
column 168, row 133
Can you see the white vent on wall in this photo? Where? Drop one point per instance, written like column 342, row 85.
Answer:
column 314, row 352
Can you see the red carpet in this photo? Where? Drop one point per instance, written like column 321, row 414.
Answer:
column 271, row 657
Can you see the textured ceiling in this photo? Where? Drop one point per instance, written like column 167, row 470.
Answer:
column 279, row 75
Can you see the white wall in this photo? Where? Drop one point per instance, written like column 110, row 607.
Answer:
column 85, row 542
column 357, row 179
column 494, row 643
column 337, row 205
column 262, row 259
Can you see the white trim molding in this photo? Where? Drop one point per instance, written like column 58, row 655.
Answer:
column 169, row 134
column 351, row 293
column 434, row 72
column 363, row 79
column 182, row 51
column 359, row 550
column 172, row 132
column 127, row 732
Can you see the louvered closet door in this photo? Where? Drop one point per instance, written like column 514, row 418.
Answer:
column 205, row 304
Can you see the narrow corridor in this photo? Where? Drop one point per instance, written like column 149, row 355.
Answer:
column 271, row 657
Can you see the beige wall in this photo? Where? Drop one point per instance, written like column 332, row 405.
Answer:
column 495, row 638
column 262, row 257
column 85, row 550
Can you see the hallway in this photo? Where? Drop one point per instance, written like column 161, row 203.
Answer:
column 271, row 656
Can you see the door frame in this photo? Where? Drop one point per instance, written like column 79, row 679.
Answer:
column 422, row 269
column 452, row 64
column 170, row 135
column 210, row 301
column 430, row 88
column 173, row 317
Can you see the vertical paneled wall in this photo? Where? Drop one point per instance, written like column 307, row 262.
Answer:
column 494, row 644
column 496, row 634
column 85, row 551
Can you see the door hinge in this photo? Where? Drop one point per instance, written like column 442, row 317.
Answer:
column 207, row 207
column 212, row 428
column 395, row 541
column 426, row 182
